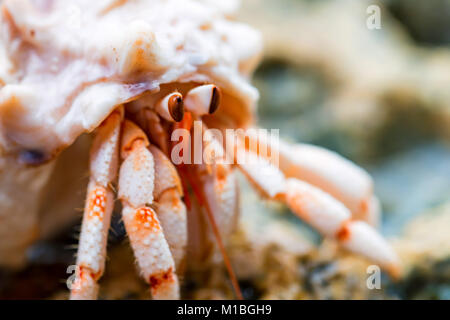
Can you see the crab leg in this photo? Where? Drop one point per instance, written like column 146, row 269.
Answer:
column 332, row 219
column 170, row 207
column 219, row 200
column 219, row 184
column 326, row 214
column 328, row 171
column 373, row 214
column 98, row 209
column 218, row 192
column 218, row 187
column 136, row 185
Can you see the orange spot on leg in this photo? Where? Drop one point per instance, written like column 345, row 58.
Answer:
column 364, row 205
column 97, row 203
column 363, row 210
column 85, row 285
column 344, row 233
column 159, row 279
column 147, row 217
column 87, row 273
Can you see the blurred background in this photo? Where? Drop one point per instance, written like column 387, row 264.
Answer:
column 378, row 97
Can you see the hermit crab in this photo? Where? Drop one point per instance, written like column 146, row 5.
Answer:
column 141, row 76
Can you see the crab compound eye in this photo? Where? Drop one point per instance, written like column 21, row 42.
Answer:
column 171, row 107
column 203, row 100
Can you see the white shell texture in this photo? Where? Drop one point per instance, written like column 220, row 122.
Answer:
column 66, row 65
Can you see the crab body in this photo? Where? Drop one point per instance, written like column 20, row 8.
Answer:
column 132, row 73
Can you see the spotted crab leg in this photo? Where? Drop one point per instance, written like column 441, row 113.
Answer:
column 98, row 209
column 170, row 208
column 326, row 214
column 168, row 191
column 136, row 186
column 328, row 171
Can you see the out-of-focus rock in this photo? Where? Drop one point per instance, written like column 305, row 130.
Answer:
column 423, row 19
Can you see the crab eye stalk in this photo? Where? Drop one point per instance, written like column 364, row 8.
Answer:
column 203, row 100
column 171, row 107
